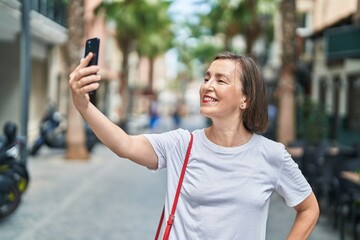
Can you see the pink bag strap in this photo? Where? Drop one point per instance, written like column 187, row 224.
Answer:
column 172, row 215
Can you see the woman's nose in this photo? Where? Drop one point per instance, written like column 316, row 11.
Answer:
column 209, row 85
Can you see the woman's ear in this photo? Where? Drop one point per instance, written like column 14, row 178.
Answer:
column 243, row 103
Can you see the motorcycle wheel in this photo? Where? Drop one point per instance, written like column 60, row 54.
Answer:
column 18, row 173
column 23, row 177
column 9, row 197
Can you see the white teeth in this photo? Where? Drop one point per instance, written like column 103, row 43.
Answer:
column 206, row 98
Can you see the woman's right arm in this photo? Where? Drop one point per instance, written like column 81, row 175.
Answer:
column 136, row 148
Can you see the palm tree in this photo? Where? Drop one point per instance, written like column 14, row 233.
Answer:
column 155, row 36
column 126, row 16
column 142, row 26
column 286, row 87
column 76, row 148
column 240, row 18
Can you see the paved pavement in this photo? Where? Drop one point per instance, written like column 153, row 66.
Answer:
column 106, row 198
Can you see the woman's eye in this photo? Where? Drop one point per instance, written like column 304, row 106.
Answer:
column 205, row 79
column 220, row 81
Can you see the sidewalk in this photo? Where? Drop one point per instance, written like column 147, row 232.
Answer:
column 281, row 218
column 106, row 198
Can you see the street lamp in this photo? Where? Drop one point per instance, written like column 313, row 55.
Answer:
column 25, row 71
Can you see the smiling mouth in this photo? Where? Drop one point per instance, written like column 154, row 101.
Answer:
column 209, row 99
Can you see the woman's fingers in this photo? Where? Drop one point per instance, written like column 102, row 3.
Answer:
column 84, row 79
column 83, row 63
column 84, row 72
column 80, row 73
column 86, row 60
column 88, row 88
column 89, row 80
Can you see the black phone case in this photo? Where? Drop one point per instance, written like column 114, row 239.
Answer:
column 92, row 45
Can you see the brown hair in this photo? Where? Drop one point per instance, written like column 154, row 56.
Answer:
column 255, row 116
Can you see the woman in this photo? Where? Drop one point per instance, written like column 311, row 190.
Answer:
column 232, row 170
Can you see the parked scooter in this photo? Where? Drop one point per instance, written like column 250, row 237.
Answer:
column 53, row 136
column 9, row 196
column 11, row 163
column 14, row 177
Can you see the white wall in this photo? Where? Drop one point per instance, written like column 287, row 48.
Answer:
column 9, row 83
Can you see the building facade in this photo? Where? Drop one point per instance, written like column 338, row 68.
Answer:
column 331, row 52
column 48, row 71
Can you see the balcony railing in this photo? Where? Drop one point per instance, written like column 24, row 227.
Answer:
column 342, row 42
column 52, row 9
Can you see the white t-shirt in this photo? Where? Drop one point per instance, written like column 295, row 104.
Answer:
column 226, row 190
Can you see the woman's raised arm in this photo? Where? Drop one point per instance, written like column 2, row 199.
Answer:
column 136, row 148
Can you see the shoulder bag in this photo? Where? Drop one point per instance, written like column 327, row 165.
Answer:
column 172, row 215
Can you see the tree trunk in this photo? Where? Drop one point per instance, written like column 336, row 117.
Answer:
column 357, row 14
column 124, row 83
column 252, row 31
column 286, row 88
column 151, row 74
column 76, row 148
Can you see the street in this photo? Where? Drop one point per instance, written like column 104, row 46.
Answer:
column 233, row 60
column 106, row 198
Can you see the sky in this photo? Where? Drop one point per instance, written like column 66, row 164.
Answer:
column 184, row 9
column 181, row 11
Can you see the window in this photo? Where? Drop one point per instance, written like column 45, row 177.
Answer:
column 354, row 103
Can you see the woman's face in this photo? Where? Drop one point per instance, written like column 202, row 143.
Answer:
column 221, row 93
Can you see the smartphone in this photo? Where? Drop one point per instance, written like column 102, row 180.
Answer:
column 92, row 45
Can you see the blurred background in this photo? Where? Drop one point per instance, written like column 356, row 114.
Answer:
column 153, row 55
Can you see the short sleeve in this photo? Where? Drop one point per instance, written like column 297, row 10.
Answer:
column 291, row 183
column 165, row 144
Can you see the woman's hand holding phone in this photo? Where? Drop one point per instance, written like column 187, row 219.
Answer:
column 92, row 45
column 83, row 80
